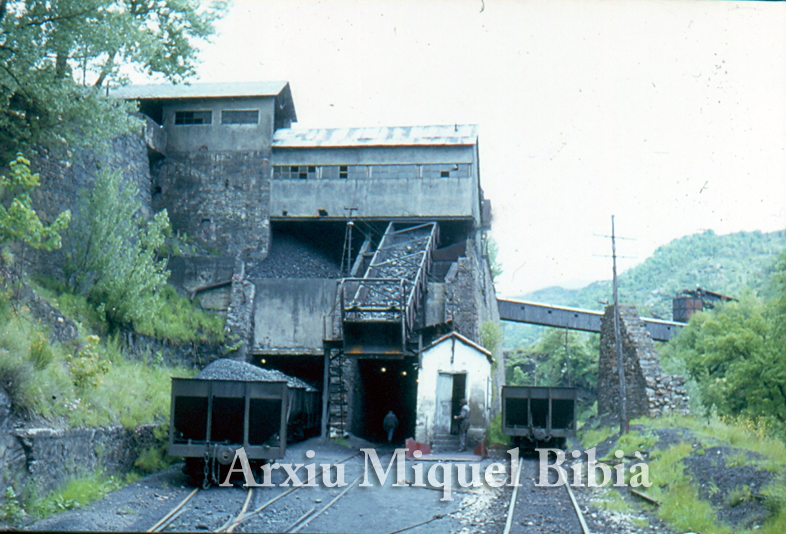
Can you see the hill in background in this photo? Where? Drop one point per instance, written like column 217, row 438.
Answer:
column 728, row 264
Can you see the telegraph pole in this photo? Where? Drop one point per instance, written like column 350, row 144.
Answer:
column 618, row 340
column 567, row 359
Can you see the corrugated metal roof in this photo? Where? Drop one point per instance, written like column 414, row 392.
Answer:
column 458, row 134
column 199, row 90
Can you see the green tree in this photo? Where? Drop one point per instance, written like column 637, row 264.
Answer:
column 733, row 354
column 57, row 55
column 553, row 371
column 113, row 252
column 18, row 219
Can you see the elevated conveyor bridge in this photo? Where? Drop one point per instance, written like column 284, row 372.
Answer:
column 520, row 311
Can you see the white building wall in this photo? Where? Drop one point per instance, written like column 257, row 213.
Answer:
column 453, row 356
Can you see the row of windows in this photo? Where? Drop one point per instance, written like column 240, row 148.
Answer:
column 228, row 116
column 374, row 172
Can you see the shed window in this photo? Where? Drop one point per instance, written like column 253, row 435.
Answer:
column 193, row 117
column 240, row 116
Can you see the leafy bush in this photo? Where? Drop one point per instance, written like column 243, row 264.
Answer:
column 89, row 365
column 491, row 336
column 112, row 255
column 18, row 219
column 155, row 457
column 11, row 511
column 495, row 435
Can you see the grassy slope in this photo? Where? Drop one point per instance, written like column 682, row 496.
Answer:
column 735, row 457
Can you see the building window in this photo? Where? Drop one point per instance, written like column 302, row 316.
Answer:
column 446, row 170
column 295, row 172
column 343, row 172
column 193, row 117
column 240, row 116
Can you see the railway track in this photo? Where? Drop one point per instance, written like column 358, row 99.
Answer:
column 530, row 509
column 541, row 509
column 235, row 521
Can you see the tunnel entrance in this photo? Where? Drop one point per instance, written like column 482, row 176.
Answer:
column 386, row 384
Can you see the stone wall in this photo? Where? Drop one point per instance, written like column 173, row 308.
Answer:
column 240, row 314
column 65, row 179
column 463, row 303
column 48, row 457
column 470, row 301
column 650, row 391
column 219, row 198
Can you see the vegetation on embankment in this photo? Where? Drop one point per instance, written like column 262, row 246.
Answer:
column 711, row 475
column 88, row 381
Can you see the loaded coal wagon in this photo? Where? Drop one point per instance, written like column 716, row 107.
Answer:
column 535, row 415
column 232, row 404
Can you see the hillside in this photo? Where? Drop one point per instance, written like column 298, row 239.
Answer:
column 726, row 264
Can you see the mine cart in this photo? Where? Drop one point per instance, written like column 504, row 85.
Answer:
column 539, row 416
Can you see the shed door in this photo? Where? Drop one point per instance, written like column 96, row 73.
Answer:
column 444, row 403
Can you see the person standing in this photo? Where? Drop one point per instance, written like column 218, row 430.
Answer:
column 463, row 419
column 389, row 424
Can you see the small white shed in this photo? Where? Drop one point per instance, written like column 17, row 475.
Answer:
column 453, row 367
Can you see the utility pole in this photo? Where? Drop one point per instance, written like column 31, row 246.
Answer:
column 618, row 340
column 567, row 359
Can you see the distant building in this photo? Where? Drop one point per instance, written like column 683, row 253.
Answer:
column 689, row 301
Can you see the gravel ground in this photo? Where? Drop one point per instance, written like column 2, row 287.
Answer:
column 717, row 481
column 483, row 510
column 419, row 510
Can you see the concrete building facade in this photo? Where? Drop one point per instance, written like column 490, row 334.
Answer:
column 337, row 254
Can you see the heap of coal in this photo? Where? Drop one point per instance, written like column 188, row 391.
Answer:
column 227, row 369
column 289, row 257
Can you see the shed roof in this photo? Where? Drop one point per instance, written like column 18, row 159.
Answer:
column 199, row 90
column 453, row 134
column 464, row 340
column 285, row 106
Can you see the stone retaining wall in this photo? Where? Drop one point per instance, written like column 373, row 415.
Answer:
column 52, row 456
column 46, row 457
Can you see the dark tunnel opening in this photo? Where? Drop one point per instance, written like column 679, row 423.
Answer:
column 386, row 385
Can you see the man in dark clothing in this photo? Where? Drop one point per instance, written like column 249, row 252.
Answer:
column 389, row 424
column 463, row 419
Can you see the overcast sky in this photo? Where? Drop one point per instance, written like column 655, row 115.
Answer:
column 670, row 115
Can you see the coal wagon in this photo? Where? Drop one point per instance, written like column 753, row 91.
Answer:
column 537, row 416
column 233, row 404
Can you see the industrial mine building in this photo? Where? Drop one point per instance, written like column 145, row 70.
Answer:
column 353, row 258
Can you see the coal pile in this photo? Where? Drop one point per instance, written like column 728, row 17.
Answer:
column 291, row 258
column 226, row 369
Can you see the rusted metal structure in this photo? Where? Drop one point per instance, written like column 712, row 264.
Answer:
column 689, row 301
